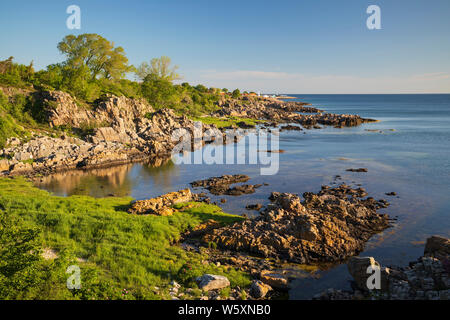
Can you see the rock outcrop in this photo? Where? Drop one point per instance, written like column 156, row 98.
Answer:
column 274, row 280
column 326, row 227
column 221, row 185
column 116, row 130
column 279, row 111
column 358, row 267
column 118, row 112
column 259, row 289
column 123, row 130
column 162, row 205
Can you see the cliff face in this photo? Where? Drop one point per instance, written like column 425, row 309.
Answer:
column 119, row 133
column 62, row 109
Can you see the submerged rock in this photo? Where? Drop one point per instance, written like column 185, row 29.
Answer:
column 357, row 170
column 242, row 189
column 220, row 185
column 256, row 207
column 290, row 128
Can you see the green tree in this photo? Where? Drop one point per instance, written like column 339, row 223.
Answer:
column 97, row 54
column 6, row 65
column 16, row 74
column 201, row 88
column 236, row 93
column 160, row 93
column 52, row 77
column 159, row 68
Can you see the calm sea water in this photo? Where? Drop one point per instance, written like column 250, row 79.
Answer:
column 408, row 152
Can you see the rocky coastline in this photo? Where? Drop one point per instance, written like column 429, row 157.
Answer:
column 326, row 227
column 119, row 130
column 427, row 278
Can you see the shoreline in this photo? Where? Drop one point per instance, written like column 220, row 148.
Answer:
column 132, row 137
column 142, row 139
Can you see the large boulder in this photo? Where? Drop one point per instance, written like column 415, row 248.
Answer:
column 437, row 246
column 220, row 185
column 358, row 269
column 161, row 205
column 259, row 289
column 4, row 165
column 274, row 280
column 209, row 282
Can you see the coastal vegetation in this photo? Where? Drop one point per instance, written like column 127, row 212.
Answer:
column 95, row 67
column 223, row 122
column 15, row 117
column 121, row 256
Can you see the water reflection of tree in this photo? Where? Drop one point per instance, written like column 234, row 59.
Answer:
column 161, row 174
column 96, row 182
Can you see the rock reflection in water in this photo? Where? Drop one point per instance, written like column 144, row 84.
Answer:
column 114, row 181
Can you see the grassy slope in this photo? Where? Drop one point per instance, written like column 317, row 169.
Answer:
column 127, row 251
column 227, row 121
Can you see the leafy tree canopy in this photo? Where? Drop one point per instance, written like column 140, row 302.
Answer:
column 158, row 69
column 97, row 54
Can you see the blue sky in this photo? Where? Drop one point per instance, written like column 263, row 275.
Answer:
column 269, row 46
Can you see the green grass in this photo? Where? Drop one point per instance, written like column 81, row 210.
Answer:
column 227, row 122
column 122, row 250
